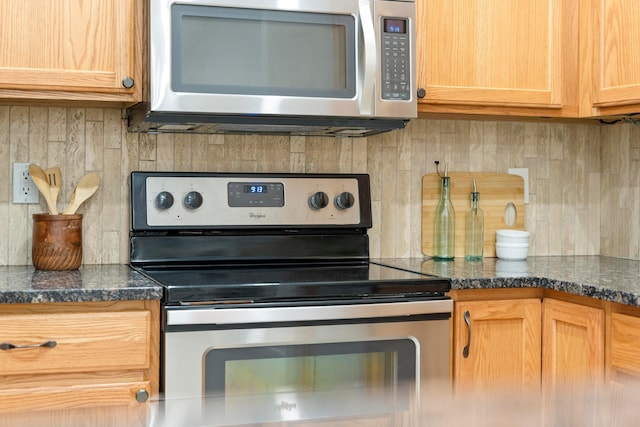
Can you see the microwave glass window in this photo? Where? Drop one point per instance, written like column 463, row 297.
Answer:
column 262, row 52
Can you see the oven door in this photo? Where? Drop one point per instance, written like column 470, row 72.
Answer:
column 271, row 364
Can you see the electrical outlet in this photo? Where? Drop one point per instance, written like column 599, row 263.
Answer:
column 24, row 189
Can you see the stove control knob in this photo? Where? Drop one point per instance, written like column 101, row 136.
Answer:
column 344, row 200
column 319, row 200
column 164, row 200
column 193, row 200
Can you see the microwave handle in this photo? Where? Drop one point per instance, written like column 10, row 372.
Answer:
column 370, row 53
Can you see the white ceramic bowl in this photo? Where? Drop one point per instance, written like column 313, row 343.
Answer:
column 512, row 236
column 512, row 251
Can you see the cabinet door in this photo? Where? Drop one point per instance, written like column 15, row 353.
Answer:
column 572, row 344
column 503, row 339
column 623, row 370
column 612, row 27
column 497, row 53
column 625, row 347
column 68, row 45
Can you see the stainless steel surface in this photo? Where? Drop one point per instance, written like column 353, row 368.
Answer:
column 295, row 209
column 183, row 371
column 393, row 108
column 272, row 311
column 367, row 103
column 164, row 99
column 227, row 316
column 322, row 407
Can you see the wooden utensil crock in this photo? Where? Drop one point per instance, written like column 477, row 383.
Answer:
column 57, row 242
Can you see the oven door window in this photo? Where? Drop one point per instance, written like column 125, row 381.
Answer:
column 350, row 375
column 262, row 52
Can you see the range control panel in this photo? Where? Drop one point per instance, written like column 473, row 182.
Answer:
column 201, row 200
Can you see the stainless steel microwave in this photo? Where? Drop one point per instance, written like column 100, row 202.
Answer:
column 315, row 67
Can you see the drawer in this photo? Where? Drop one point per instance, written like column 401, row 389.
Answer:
column 98, row 341
column 625, row 342
column 50, row 398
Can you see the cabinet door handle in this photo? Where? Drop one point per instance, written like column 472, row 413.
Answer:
column 9, row 346
column 127, row 82
column 467, row 320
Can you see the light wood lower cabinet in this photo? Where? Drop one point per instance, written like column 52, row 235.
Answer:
column 78, row 357
column 523, row 343
column 497, row 344
column 623, row 365
column 572, row 345
column 624, row 348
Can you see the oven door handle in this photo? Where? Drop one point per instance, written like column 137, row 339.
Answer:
column 243, row 315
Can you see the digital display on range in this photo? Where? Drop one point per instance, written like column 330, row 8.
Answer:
column 255, row 194
column 397, row 26
column 255, row 188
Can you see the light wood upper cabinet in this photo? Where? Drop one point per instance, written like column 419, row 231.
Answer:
column 572, row 345
column 610, row 30
column 514, row 57
column 71, row 50
column 503, row 339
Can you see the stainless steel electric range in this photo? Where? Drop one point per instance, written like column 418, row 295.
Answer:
column 272, row 310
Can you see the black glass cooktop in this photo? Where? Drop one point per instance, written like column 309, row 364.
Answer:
column 291, row 283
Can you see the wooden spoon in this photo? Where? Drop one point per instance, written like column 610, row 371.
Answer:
column 42, row 182
column 87, row 185
column 55, row 182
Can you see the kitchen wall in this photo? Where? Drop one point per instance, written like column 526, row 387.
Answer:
column 620, row 183
column 567, row 169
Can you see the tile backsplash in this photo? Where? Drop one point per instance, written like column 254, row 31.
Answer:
column 584, row 179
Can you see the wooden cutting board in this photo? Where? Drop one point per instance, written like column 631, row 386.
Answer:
column 497, row 191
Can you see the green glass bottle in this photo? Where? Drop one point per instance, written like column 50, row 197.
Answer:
column 474, row 229
column 445, row 225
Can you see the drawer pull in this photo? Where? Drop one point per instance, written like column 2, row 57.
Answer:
column 9, row 346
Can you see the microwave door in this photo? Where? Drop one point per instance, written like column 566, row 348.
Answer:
column 263, row 58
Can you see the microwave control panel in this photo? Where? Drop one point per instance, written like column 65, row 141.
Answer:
column 396, row 59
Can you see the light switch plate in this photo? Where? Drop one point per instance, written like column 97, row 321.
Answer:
column 24, row 189
column 524, row 173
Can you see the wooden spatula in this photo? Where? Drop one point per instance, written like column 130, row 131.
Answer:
column 42, row 182
column 87, row 185
column 54, row 177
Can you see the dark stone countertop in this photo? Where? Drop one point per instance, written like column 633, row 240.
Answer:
column 90, row 283
column 605, row 278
